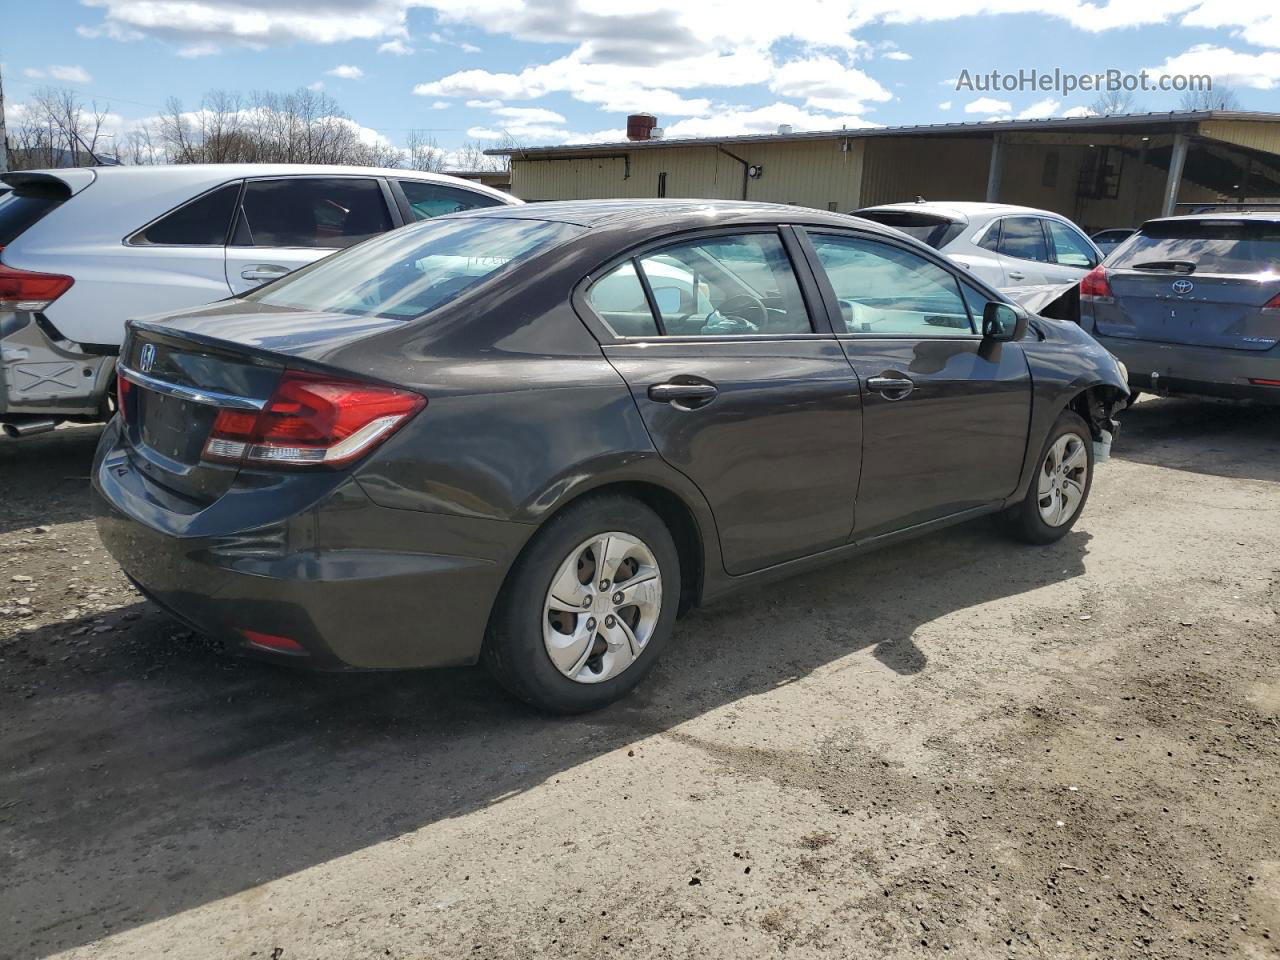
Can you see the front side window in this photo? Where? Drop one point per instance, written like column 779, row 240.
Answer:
column 427, row 199
column 407, row 273
column 1070, row 249
column 326, row 212
column 726, row 286
column 1023, row 238
column 201, row 223
column 885, row 290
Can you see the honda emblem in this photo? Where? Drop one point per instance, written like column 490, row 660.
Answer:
column 147, row 357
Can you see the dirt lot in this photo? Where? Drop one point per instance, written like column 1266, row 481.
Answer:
column 956, row 745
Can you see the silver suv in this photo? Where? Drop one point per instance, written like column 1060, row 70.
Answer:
column 1191, row 305
column 84, row 250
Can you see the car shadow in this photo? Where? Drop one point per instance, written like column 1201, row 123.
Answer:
column 1217, row 438
column 45, row 479
column 144, row 773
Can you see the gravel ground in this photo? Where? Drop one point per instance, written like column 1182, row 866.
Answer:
column 958, row 745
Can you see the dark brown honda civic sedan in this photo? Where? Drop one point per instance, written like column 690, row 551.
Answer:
column 534, row 435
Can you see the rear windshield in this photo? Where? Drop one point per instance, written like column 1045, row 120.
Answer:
column 25, row 204
column 408, row 272
column 934, row 230
column 1208, row 246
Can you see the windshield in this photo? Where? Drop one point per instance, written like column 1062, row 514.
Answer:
column 1206, row 246
column 411, row 271
column 936, row 231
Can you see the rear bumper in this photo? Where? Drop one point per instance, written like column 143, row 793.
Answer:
column 41, row 375
column 358, row 586
column 1177, row 369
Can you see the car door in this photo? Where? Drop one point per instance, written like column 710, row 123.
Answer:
column 945, row 414
column 287, row 222
column 739, row 389
column 1022, row 249
column 1071, row 253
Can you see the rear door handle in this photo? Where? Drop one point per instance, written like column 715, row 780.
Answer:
column 683, row 396
column 263, row 272
column 891, row 388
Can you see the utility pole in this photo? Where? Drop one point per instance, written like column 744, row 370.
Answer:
column 4, row 136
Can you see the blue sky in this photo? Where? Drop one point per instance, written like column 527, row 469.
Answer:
column 570, row 70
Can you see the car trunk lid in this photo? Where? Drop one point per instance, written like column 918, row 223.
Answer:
column 177, row 377
column 1206, row 311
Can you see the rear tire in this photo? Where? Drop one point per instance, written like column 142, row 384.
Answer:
column 560, row 642
column 1060, row 487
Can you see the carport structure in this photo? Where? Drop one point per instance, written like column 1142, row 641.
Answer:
column 1099, row 171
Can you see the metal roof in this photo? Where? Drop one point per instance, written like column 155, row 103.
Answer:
column 1113, row 122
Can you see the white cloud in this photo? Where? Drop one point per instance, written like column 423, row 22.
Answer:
column 61, row 73
column 988, row 105
column 528, row 115
column 194, row 50
column 945, row 105
column 441, row 105
column 731, row 121
column 897, row 55
column 1078, row 112
column 317, row 86
column 484, row 104
column 823, row 83
column 345, row 71
column 1258, row 70
column 397, row 47
column 1041, row 108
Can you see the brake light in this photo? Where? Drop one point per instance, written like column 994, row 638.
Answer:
column 1095, row 284
column 311, row 420
column 124, row 388
column 30, row 291
column 1273, row 303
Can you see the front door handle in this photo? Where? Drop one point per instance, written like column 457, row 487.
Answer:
column 683, row 396
column 1017, row 276
column 263, row 272
column 891, row 388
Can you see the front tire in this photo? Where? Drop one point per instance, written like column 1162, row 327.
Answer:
column 1060, row 487
column 587, row 608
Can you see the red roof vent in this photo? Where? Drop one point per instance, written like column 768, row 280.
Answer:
column 640, row 126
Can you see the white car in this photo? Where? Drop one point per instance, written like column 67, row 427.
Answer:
column 1008, row 246
column 82, row 250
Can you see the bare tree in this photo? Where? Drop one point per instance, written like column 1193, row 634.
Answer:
column 471, row 156
column 1217, row 98
column 59, row 130
column 423, row 153
column 1111, row 102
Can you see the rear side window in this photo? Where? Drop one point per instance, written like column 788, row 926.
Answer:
column 201, row 223
column 1208, row 246
column 405, row 274
column 1023, row 238
column 726, row 286
column 428, row 200
column 328, row 212
column 22, row 206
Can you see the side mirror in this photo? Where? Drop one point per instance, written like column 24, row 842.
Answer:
column 1001, row 323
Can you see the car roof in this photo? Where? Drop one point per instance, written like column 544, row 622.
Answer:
column 199, row 175
column 1265, row 215
column 677, row 214
column 964, row 209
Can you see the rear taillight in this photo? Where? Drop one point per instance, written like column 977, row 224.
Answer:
column 30, row 291
column 311, row 420
column 1273, row 303
column 1095, row 284
column 123, row 389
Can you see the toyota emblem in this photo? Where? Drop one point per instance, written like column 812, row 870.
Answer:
column 147, row 358
column 1182, row 287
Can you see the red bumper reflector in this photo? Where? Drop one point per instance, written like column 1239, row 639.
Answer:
column 1263, row 382
column 269, row 641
